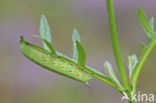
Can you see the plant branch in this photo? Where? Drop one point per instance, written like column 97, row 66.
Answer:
column 141, row 62
column 98, row 75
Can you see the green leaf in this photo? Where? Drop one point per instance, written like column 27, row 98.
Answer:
column 111, row 74
column 50, row 47
column 109, row 70
column 81, row 54
column 132, row 61
column 151, row 23
column 145, row 24
column 37, row 36
column 45, row 31
column 75, row 37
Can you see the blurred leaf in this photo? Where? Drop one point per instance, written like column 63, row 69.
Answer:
column 151, row 23
column 75, row 37
column 132, row 61
column 45, row 31
column 145, row 24
column 81, row 54
column 109, row 70
column 37, row 36
column 50, row 47
column 111, row 74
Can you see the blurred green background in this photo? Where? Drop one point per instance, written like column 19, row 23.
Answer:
column 22, row 81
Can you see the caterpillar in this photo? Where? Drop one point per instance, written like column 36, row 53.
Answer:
column 53, row 62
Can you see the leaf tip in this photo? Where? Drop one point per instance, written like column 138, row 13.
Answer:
column 42, row 16
column 75, row 35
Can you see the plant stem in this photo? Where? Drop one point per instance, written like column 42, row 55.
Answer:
column 141, row 62
column 98, row 75
column 115, row 44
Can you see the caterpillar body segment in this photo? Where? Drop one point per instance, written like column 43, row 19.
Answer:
column 53, row 62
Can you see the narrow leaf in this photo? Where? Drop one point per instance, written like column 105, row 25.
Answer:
column 109, row 70
column 144, row 23
column 132, row 61
column 50, row 46
column 81, row 54
column 45, row 31
column 151, row 23
column 75, row 37
column 111, row 74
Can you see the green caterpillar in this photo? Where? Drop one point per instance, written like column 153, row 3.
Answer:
column 53, row 62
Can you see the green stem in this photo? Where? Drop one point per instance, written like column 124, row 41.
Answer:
column 98, row 75
column 141, row 62
column 115, row 44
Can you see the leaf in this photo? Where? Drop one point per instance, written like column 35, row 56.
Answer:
column 132, row 61
column 109, row 70
column 145, row 24
column 50, row 47
column 45, row 31
column 81, row 54
column 111, row 74
column 75, row 37
column 37, row 36
column 151, row 22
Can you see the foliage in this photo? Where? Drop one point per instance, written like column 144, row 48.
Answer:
column 128, row 83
